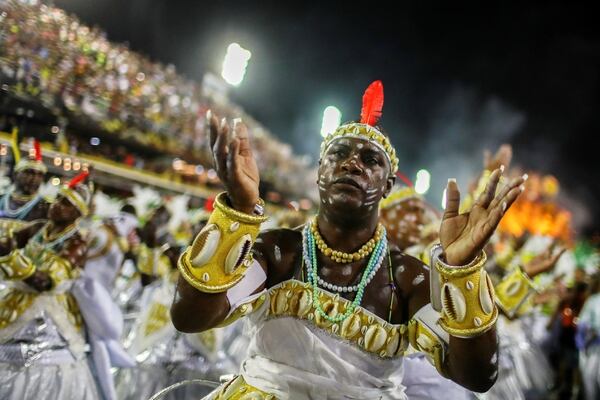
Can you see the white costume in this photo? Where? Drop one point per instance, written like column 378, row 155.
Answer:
column 294, row 353
column 165, row 356
column 589, row 354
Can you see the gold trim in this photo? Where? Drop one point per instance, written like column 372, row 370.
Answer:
column 221, row 262
column 184, row 265
column 221, row 205
column 449, row 271
column 362, row 329
column 470, row 332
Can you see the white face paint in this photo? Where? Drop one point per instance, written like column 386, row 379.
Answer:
column 360, row 146
column 277, row 253
column 418, row 279
column 401, row 268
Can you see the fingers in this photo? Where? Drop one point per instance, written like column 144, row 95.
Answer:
column 501, row 196
column 212, row 124
column 486, row 197
column 492, row 221
column 220, row 149
column 233, row 164
column 510, row 199
column 452, row 199
column 241, row 133
column 504, row 155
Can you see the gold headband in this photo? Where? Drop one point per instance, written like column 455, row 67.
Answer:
column 76, row 199
column 363, row 132
column 31, row 164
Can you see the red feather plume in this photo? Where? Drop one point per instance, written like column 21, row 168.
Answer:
column 78, row 179
column 38, row 150
column 404, row 179
column 372, row 104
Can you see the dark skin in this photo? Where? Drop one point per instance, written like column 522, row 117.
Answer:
column 27, row 183
column 353, row 176
column 149, row 235
column 60, row 215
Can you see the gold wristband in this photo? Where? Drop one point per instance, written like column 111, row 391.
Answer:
column 16, row 266
column 513, row 291
column 220, row 254
column 423, row 339
column 467, row 298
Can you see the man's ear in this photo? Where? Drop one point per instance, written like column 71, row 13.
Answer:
column 389, row 184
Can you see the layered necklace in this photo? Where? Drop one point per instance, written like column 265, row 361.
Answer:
column 309, row 252
column 50, row 241
column 19, row 212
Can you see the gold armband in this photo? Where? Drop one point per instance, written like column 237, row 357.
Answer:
column 426, row 335
column 16, row 266
column 513, row 291
column 253, row 304
column 220, row 254
column 152, row 261
column 467, row 298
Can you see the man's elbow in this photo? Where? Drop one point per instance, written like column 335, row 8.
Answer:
column 183, row 322
column 482, row 383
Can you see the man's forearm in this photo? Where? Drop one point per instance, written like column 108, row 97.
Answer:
column 473, row 362
column 196, row 311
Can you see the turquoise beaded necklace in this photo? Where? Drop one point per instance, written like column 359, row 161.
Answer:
column 310, row 259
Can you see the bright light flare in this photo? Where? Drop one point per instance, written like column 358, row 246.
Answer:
column 423, row 181
column 235, row 63
column 332, row 118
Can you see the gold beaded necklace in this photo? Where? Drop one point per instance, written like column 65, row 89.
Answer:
column 48, row 237
column 22, row 197
column 340, row 256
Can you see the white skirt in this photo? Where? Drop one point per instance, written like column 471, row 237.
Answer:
column 63, row 381
column 144, row 381
column 589, row 364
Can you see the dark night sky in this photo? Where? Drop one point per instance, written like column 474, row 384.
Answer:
column 458, row 79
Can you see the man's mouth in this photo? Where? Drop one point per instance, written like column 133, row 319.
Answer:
column 347, row 181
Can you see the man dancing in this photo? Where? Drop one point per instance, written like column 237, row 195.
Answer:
column 332, row 306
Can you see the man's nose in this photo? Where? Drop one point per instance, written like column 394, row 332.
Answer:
column 352, row 165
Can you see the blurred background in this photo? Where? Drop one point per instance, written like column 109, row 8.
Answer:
column 121, row 89
column 458, row 78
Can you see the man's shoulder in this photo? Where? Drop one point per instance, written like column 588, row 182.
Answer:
column 410, row 273
column 405, row 262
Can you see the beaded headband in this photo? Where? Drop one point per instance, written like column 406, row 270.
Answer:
column 365, row 129
column 78, row 193
column 34, row 163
